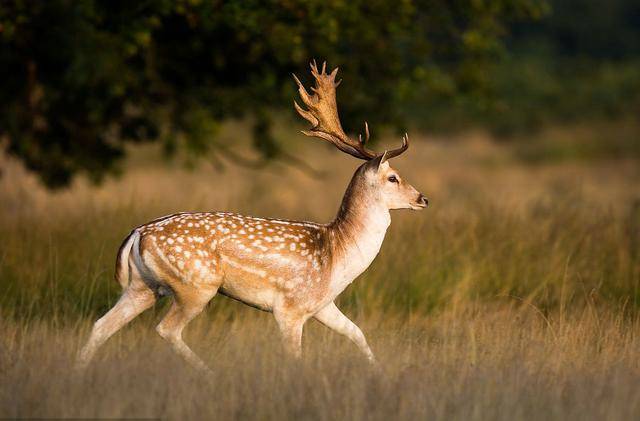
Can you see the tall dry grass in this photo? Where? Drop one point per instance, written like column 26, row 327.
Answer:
column 498, row 363
column 514, row 296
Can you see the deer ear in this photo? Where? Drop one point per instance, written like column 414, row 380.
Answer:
column 379, row 160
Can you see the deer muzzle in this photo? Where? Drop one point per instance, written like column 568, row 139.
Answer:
column 422, row 201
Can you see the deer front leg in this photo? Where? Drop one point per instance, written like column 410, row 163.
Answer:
column 332, row 317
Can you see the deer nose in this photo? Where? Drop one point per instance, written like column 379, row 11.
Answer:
column 422, row 200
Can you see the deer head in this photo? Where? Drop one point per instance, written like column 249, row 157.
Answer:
column 375, row 180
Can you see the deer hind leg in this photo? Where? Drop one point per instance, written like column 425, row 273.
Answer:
column 185, row 308
column 290, row 326
column 135, row 299
column 332, row 317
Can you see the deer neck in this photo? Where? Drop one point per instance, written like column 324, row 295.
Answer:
column 356, row 234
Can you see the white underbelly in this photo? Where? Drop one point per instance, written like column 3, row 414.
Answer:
column 259, row 296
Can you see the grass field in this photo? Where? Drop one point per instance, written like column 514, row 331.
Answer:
column 514, row 296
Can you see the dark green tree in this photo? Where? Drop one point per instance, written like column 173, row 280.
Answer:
column 80, row 79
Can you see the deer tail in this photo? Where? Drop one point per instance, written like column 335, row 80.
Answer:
column 122, row 261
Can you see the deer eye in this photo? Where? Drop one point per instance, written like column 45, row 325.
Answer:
column 393, row 179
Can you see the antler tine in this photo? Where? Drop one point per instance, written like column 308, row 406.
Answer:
column 306, row 114
column 405, row 145
column 366, row 134
column 322, row 113
column 304, row 95
column 366, row 131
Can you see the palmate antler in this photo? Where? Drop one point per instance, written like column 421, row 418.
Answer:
column 322, row 113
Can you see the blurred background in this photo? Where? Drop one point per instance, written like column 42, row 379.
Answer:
column 515, row 295
column 518, row 104
column 81, row 80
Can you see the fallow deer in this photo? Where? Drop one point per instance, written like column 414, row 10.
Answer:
column 293, row 269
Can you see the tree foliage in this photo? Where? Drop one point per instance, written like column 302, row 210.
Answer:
column 83, row 78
